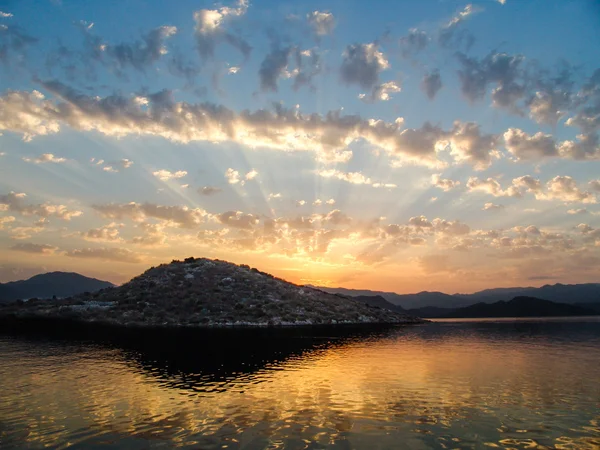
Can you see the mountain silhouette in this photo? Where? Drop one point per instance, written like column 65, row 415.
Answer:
column 48, row 285
column 520, row 307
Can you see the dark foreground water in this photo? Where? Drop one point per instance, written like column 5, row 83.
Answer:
column 474, row 384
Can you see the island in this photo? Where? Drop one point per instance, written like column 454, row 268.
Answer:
column 203, row 293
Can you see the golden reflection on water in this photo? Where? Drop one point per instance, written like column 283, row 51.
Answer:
column 456, row 390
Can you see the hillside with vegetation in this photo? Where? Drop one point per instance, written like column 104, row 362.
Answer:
column 206, row 293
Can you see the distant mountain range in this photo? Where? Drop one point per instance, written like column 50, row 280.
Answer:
column 47, row 285
column 520, row 307
column 561, row 293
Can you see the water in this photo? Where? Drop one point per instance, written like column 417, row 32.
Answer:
column 448, row 384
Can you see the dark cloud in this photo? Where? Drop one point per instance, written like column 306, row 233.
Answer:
column 414, row 42
column 272, row 67
column 28, row 247
column 13, row 44
column 362, row 64
column 431, row 83
column 209, row 190
column 501, row 69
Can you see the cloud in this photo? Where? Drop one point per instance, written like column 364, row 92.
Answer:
column 273, row 196
column 251, row 175
column 337, row 217
column 529, row 147
column 577, row 211
column 165, row 175
column 232, row 176
column 362, row 64
column 284, row 129
column 548, row 107
column 565, row 188
column 468, row 144
column 15, row 202
column 6, row 219
column 443, row 183
column 595, row 185
column 414, row 42
column 451, row 36
column 587, row 119
column 139, row 55
column 431, row 83
column 352, row 177
column 210, row 29
column 28, row 247
column 492, row 207
column 492, row 187
column 107, row 254
column 45, row 158
column 500, row 69
column 273, row 67
column 237, row 219
column 181, row 216
column 209, row 190
column 586, row 147
column 381, row 92
column 5, row 15
column 126, row 163
column 14, row 42
column 109, row 233
column 321, row 22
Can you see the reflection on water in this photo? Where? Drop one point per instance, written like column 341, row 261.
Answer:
column 519, row 384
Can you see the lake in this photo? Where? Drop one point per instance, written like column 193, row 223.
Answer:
column 531, row 383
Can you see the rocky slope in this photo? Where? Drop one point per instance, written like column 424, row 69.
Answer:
column 206, row 293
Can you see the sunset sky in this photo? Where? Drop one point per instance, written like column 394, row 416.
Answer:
column 399, row 146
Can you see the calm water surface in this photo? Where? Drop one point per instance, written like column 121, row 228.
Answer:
column 450, row 384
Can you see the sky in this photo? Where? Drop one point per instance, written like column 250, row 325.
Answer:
column 401, row 146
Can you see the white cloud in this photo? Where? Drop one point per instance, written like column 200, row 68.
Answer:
column 166, row 175
column 15, row 202
column 381, row 92
column 210, row 29
column 5, row 15
column 180, row 216
column 273, row 196
column 492, row 207
column 45, row 158
column 322, row 22
column 565, row 188
column 443, row 183
column 232, row 176
column 109, row 233
column 251, row 175
column 526, row 148
column 6, row 219
column 284, row 129
column 350, row 177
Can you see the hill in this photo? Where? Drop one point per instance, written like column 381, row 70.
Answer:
column 520, row 307
column 47, row 285
column 407, row 301
column 206, row 293
column 379, row 302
